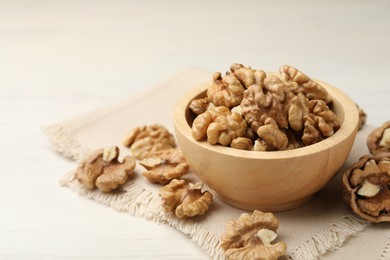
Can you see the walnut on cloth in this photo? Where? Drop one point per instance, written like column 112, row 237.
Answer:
column 103, row 170
column 148, row 139
column 367, row 188
column 185, row 199
column 165, row 165
column 378, row 141
column 251, row 237
column 219, row 125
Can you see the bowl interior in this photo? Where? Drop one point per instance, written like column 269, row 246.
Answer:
column 342, row 105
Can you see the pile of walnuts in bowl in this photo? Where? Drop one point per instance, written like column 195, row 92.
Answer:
column 250, row 109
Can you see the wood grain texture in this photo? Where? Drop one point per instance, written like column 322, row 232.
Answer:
column 59, row 59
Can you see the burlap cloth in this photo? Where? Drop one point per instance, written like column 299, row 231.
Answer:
column 323, row 228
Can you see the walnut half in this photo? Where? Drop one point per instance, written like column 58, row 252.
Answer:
column 367, row 188
column 165, row 165
column 148, row 139
column 225, row 91
column 250, row 237
column 103, row 170
column 219, row 125
column 185, row 199
column 362, row 117
column 379, row 140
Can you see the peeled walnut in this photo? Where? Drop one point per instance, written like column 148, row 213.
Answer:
column 250, row 237
column 247, row 76
column 185, row 199
column 163, row 166
column 199, row 105
column 366, row 188
column 219, row 125
column 310, row 88
column 275, row 99
column 379, row 140
column 268, row 100
column 103, row 170
column 320, row 123
column 271, row 137
column 145, row 140
column 226, row 91
column 242, row 143
column 297, row 110
column 320, row 109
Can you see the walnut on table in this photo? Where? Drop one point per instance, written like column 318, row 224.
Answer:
column 185, row 199
column 103, row 170
column 378, row 140
column 251, row 237
column 148, row 139
column 219, row 125
column 165, row 165
column 367, row 188
column 362, row 117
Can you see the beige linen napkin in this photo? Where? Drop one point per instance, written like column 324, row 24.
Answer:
column 312, row 231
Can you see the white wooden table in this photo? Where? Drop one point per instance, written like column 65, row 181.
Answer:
column 59, row 59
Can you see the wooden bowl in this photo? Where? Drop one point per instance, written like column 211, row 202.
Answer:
column 267, row 181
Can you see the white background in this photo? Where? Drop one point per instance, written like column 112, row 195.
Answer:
column 59, row 59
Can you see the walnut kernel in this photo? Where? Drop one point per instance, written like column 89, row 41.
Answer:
column 250, row 237
column 103, row 170
column 163, row 166
column 378, row 141
column 273, row 138
column 385, row 140
column 110, row 153
column 226, row 91
column 310, row 88
column 367, row 188
column 242, row 143
column 185, row 199
column 246, row 75
column 219, row 125
column 362, row 117
column 199, row 105
column 145, row 140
